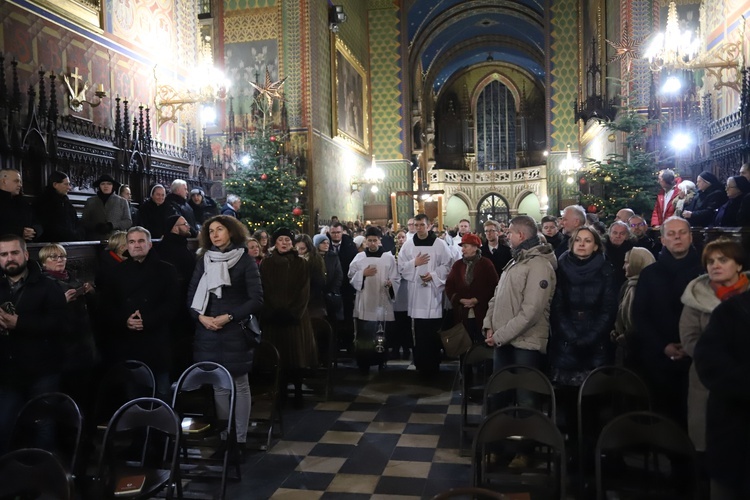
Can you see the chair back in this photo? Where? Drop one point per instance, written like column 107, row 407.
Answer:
column 188, row 398
column 265, row 412
column 33, row 473
column 504, row 428
column 514, row 383
column 125, row 381
column 51, row 422
column 471, row 492
column 139, row 419
column 649, row 434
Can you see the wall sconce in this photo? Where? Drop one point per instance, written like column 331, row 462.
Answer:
column 355, row 186
column 676, row 50
column 77, row 94
column 208, row 85
column 336, row 16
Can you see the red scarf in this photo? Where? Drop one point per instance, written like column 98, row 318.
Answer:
column 115, row 256
column 727, row 292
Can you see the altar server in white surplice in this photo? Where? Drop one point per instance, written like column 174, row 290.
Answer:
column 425, row 261
column 374, row 275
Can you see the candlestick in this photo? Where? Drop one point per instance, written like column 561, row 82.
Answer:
column 394, row 214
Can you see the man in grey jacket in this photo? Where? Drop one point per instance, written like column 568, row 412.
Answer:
column 517, row 321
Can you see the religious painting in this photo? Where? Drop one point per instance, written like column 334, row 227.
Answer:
column 350, row 110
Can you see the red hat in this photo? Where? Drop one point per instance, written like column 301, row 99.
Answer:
column 471, row 239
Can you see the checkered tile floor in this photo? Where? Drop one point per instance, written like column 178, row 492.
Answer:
column 386, row 435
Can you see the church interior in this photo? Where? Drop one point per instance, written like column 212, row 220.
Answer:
column 460, row 109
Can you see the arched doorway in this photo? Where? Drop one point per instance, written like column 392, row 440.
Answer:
column 493, row 206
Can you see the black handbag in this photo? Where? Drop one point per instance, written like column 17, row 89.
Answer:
column 251, row 328
column 334, row 306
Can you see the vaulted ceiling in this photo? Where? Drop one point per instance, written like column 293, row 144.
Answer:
column 447, row 36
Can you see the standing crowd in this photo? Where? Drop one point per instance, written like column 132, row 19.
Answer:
column 555, row 294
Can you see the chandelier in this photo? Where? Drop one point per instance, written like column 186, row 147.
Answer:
column 676, row 49
column 569, row 167
column 206, row 86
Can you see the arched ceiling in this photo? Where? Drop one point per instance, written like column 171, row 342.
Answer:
column 447, row 36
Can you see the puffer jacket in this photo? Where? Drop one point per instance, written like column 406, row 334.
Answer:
column 518, row 314
column 583, row 313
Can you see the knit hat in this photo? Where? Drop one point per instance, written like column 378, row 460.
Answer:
column 282, row 231
column 170, row 222
column 197, row 191
column 318, row 239
column 471, row 239
column 709, row 177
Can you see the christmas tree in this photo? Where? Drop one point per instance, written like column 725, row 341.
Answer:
column 265, row 178
column 622, row 180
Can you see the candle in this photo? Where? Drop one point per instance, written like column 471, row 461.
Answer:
column 100, row 87
column 393, row 212
column 440, row 212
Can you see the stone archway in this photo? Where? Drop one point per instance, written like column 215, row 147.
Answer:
column 492, row 206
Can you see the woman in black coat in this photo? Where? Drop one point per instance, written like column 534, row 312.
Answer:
column 154, row 212
column 723, row 366
column 710, row 196
column 226, row 290
column 736, row 211
column 583, row 310
column 56, row 213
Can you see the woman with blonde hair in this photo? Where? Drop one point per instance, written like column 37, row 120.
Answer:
column 226, row 290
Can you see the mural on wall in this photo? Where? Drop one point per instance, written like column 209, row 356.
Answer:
column 351, row 116
column 247, row 62
column 145, row 24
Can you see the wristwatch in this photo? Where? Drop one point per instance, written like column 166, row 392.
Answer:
column 231, row 318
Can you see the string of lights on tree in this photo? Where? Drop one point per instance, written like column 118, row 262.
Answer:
column 265, row 178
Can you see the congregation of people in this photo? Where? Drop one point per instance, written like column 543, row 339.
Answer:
column 564, row 295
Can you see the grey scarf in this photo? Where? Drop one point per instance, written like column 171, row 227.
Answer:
column 470, row 261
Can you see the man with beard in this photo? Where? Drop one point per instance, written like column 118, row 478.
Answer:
column 32, row 308
column 425, row 261
column 16, row 216
column 639, row 229
column 173, row 248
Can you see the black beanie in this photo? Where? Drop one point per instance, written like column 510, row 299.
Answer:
column 282, row 231
column 709, row 177
column 170, row 222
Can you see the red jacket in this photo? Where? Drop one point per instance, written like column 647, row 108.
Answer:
column 657, row 219
column 482, row 288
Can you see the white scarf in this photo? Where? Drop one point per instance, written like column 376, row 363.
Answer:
column 216, row 267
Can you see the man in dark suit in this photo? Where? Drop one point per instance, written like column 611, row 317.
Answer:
column 493, row 248
column 343, row 246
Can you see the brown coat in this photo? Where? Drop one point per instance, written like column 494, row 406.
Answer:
column 285, row 321
column 482, row 288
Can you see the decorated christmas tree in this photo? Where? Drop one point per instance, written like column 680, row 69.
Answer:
column 266, row 179
column 622, row 180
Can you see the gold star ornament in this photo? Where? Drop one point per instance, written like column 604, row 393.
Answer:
column 270, row 90
column 626, row 48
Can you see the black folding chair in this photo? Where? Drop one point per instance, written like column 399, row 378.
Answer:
column 193, row 400
column 631, row 455
column 50, row 422
column 123, row 382
column 140, row 452
column 497, row 441
column 265, row 414
column 502, row 390
column 470, row 492
column 33, row 473
column 476, row 370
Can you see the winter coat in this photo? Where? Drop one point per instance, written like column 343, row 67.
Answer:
column 332, row 289
column 734, row 213
column 703, row 207
column 285, row 322
column 100, row 219
column 228, row 346
column 205, row 210
column 77, row 338
column 16, row 214
column 58, row 217
column 150, row 287
column 316, row 306
column 659, row 215
column 32, row 349
column 616, row 257
column 229, row 210
column 482, row 288
column 182, row 207
column 173, row 249
column 519, row 311
column 154, row 217
column 699, row 300
column 499, row 258
column 723, row 365
column 347, row 252
column 583, row 314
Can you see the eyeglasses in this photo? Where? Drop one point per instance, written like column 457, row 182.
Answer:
column 638, row 225
column 490, row 230
column 183, row 224
column 57, row 257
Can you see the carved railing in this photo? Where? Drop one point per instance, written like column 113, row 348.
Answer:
column 488, row 177
column 725, row 124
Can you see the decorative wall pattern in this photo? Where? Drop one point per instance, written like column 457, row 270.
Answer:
column 385, row 77
column 247, row 4
column 354, row 31
column 641, row 18
column 293, row 18
column 563, row 74
column 147, row 24
column 251, row 25
column 320, row 81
